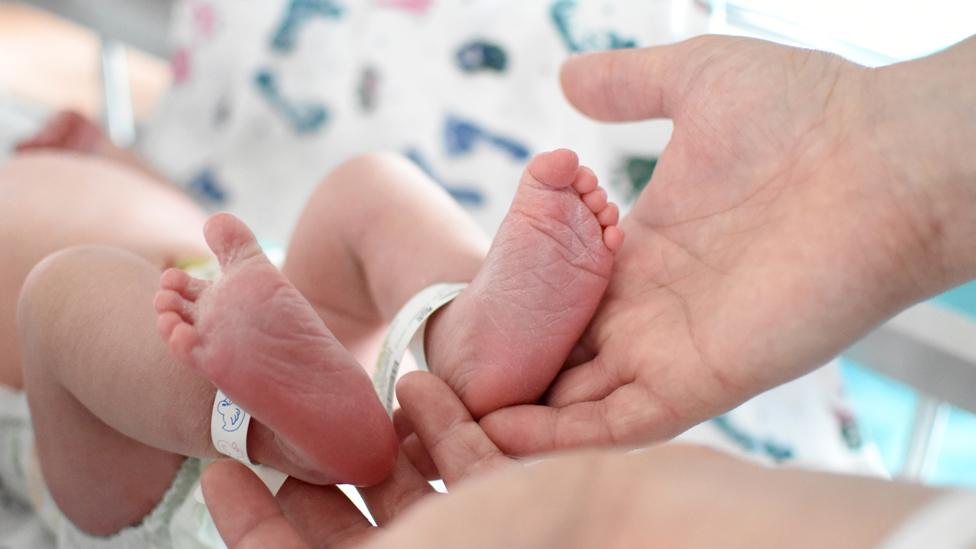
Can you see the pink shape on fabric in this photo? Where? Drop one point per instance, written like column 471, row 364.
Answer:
column 180, row 65
column 417, row 6
column 204, row 17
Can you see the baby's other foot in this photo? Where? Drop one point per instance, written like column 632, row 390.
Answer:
column 504, row 339
column 253, row 335
column 72, row 131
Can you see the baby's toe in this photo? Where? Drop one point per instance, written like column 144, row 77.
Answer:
column 596, row 200
column 609, row 216
column 166, row 323
column 586, row 181
column 183, row 340
column 168, row 301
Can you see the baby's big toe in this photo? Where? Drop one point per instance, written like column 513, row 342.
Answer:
column 230, row 239
column 556, row 169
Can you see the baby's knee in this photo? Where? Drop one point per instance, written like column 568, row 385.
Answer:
column 52, row 289
column 366, row 171
column 369, row 163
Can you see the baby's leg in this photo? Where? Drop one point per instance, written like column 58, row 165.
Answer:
column 260, row 341
column 51, row 201
column 69, row 130
column 94, row 372
column 113, row 411
column 378, row 230
column 504, row 339
column 254, row 335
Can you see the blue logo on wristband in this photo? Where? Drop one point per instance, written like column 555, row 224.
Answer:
column 232, row 414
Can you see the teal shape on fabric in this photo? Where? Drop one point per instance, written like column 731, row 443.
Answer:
column 850, row 432
column 639, row 170
column 480, row 55
column 296, row 15
column 777, row 452
column 303, row 117
column 562, row 12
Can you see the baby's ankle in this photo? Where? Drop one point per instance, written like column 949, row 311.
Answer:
column 439, row 338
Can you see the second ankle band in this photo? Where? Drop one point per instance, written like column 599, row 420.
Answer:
column 407, row 331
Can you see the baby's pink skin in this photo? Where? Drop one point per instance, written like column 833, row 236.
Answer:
column 253, row 335
column 504, row 339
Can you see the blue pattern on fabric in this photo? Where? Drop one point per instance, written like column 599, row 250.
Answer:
column 296, row 15
column 464, row 194
column 302, row 117
column 461, row 136
column 207, row 188
column 479, row 55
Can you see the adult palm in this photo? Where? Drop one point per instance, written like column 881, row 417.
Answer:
column 776, row 229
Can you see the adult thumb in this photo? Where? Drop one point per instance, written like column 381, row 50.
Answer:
column 634, row 84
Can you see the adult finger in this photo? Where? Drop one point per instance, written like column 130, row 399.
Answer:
column 410, row 444
column 246, row 514
column 455, row 441
column 322, row 515
column 591, row 381
column 419, row 457
column 625, row 416
column 400, row 490
column 401, row 424
column 634, row 84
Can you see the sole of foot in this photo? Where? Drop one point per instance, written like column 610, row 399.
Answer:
column 504, row 339
column 253, row 335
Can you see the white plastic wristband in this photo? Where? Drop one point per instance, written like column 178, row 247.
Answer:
column 228, row 428
column 407, row 332
column 229, row 422
column 228, row 431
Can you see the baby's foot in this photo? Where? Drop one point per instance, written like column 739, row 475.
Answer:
column 253, row 335
column 71, row 131
column 502, row 341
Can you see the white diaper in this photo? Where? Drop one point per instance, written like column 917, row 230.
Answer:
column 176, row 521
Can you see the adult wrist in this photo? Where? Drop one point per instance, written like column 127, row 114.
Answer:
column 923, row 126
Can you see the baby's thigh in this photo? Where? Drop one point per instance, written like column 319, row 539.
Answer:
column 101, row 386
column 51, row 201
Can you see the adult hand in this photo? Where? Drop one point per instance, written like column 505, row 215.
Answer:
column 320, row 516
column 801, row 200
column 659, row 497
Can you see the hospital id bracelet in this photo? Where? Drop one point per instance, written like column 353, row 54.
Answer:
column 228, row 431
column 407, row 332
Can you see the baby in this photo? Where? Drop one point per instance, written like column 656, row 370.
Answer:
column 113, row 436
